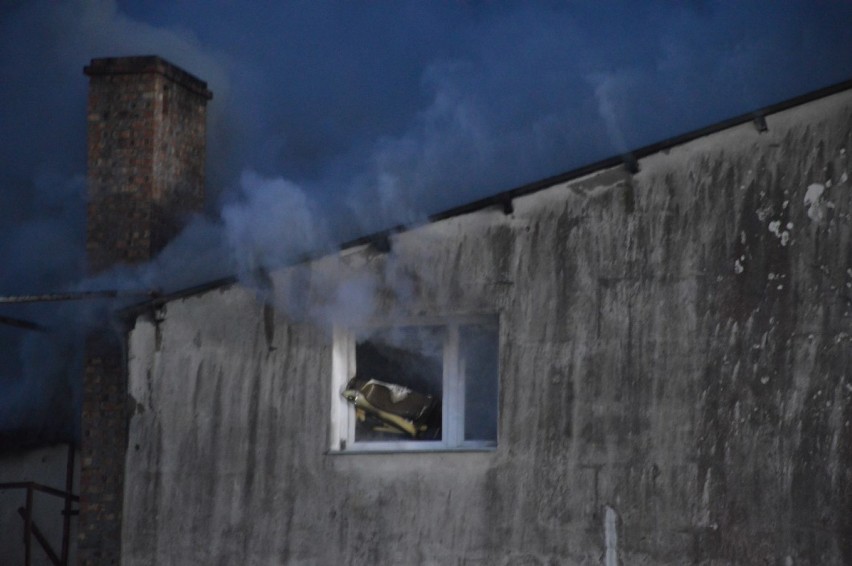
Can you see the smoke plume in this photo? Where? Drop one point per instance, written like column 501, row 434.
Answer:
column 330, row 120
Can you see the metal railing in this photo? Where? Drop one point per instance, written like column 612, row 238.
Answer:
column 31, row 530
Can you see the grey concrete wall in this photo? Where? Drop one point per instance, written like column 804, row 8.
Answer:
column 674, row 382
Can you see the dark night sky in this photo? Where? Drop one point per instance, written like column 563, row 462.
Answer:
column 332, row 119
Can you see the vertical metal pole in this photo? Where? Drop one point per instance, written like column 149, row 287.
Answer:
column 66, row 520
column 28, row 527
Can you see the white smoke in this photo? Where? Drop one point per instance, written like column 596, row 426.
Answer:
column 486, row 98
column 609, row 89
column 271, row 224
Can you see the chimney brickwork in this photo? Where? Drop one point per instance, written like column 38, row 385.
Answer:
column 147, row 124
column 146, row 146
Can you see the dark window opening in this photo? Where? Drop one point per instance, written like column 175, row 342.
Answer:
column 479, row 360
column 433, row 385
column 400, row 372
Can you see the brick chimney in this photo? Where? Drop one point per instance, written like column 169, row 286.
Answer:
column 147, row 128
column 147, row 124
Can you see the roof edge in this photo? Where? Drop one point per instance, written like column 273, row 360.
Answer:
column 504, row 198
column 135, row 310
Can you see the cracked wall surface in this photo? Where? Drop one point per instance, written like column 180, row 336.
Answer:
column 674, row 379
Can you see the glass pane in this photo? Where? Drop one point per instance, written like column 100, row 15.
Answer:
column 400, row 381
column 479, row 356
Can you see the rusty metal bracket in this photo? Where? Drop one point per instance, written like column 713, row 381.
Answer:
column 381, row 243
column 630, row 163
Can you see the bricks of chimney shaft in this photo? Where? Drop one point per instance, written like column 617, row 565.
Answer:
column 146, row 146
column 146, row 158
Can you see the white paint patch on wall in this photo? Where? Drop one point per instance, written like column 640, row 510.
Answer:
column 814, row 202
column 783, row 235
column 611, row 537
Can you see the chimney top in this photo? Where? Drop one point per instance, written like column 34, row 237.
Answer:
column 147, row 64
column 146, row 160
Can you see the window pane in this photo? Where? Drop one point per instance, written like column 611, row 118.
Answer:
column 400, row 374
column 478, row 351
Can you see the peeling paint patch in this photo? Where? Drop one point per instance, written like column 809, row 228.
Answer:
column 764, row 212
column 815, row 203
column 783, row 235
column 611, row 537
column 137, row 408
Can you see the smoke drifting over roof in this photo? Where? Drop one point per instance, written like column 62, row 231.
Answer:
column 334, row 119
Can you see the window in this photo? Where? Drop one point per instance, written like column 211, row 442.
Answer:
column 416, row 385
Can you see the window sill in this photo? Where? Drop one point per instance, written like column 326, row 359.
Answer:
column 368, row 450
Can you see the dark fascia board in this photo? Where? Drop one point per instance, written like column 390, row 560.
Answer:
column 500, row 199
column 131, row 312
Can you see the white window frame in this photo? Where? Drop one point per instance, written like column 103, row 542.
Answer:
column 452, row 399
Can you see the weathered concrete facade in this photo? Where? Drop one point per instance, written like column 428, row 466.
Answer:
column 674, row 379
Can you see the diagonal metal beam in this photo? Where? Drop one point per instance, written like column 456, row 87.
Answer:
column 21, row 323
column 40, row 538
column 74, row 296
